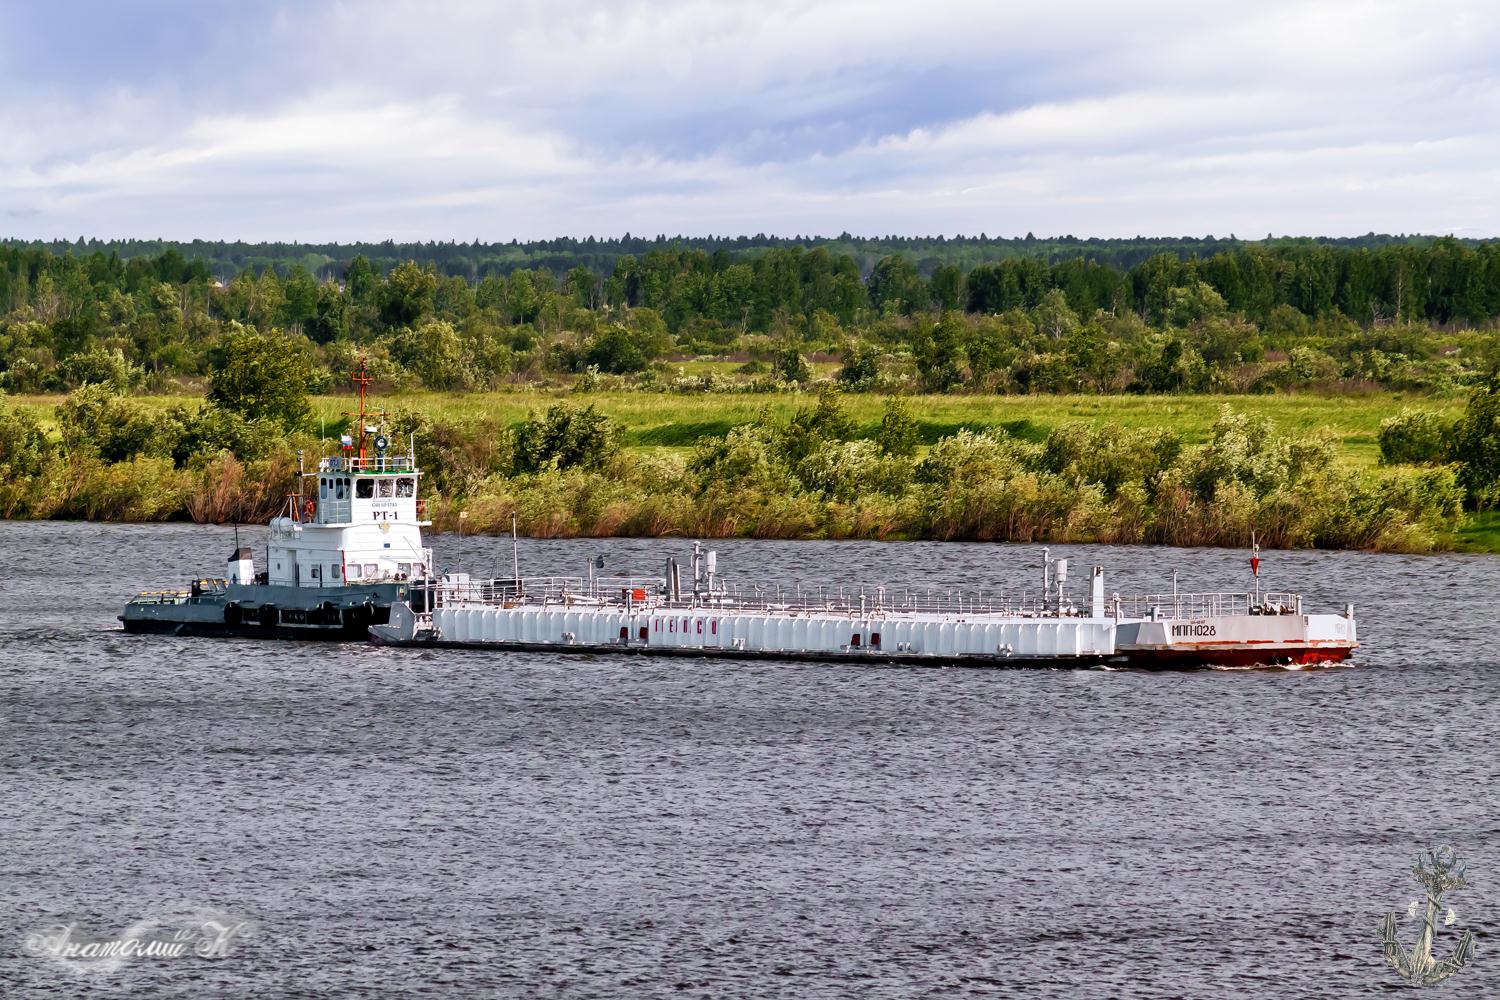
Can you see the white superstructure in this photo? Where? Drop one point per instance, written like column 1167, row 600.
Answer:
column 359, row 521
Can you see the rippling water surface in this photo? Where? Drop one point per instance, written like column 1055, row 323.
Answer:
column 468, row 823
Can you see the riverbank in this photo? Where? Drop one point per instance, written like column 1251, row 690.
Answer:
column 1297, row 471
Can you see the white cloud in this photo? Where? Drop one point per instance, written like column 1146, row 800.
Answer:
column 454, row 121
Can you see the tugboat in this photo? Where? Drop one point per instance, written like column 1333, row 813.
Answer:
column 345, row 547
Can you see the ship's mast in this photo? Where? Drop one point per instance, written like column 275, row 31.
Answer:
column 362, row 380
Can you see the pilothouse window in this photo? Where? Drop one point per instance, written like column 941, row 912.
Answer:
column 387, row 487
column 364, row 489
column 341, row 488
column 406, row 487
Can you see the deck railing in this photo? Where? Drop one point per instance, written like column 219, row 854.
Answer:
column 1209, row 605
column 553, row 591
column 654, row 592
column 387, row 464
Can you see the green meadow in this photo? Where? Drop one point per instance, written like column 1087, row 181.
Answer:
column 670, row 421
column 676, row 421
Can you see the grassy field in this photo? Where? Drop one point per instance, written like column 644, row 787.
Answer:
column 663, row 420
column 677, row 421
column 1481, row 533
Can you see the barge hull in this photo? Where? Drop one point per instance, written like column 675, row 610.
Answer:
column 1175, row 659
column 909, row 640
column 871, row 657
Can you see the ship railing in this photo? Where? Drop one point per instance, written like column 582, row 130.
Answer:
column 873, row 599
column 545, row 590
column 654, row 592
column 161, row 597
column 385, row 464
column 1208, row 605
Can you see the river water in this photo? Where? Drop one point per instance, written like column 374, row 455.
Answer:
column 471, row 823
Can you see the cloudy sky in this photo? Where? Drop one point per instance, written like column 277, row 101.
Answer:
column 434, row 120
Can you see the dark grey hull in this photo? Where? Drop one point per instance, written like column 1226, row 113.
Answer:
column 223, row 630
column 337, row 614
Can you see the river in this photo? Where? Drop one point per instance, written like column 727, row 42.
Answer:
column 473, row 823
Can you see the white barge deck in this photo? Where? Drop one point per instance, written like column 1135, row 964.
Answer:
column 657, row 617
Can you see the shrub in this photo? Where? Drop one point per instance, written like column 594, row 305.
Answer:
column 1477, row 445
column 437, row 354
column 25, row 453
column 1110, row 456
column 24, row 447
column 1415, row 437
column 898, row 429
column 620, row 349
column 844, row 470
column 811, row 426
column 861, row 368
column 790, row 366
column 95, row 419
column 99, row 366
column 212, row 430
column 565, row 437
column 748, row 458
column 262, row 375
column 137, row 489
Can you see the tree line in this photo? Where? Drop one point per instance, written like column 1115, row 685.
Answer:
column 478, row 259
column 1256, row 318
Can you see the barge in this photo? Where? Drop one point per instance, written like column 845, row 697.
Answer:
column 658, row 616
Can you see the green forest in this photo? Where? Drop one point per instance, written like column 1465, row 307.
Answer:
column 478, row 260
column 148, row 381
column 1255, row 319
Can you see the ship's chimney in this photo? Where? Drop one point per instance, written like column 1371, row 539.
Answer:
column 241, row 566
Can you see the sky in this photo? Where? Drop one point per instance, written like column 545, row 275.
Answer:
column 496, row 121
